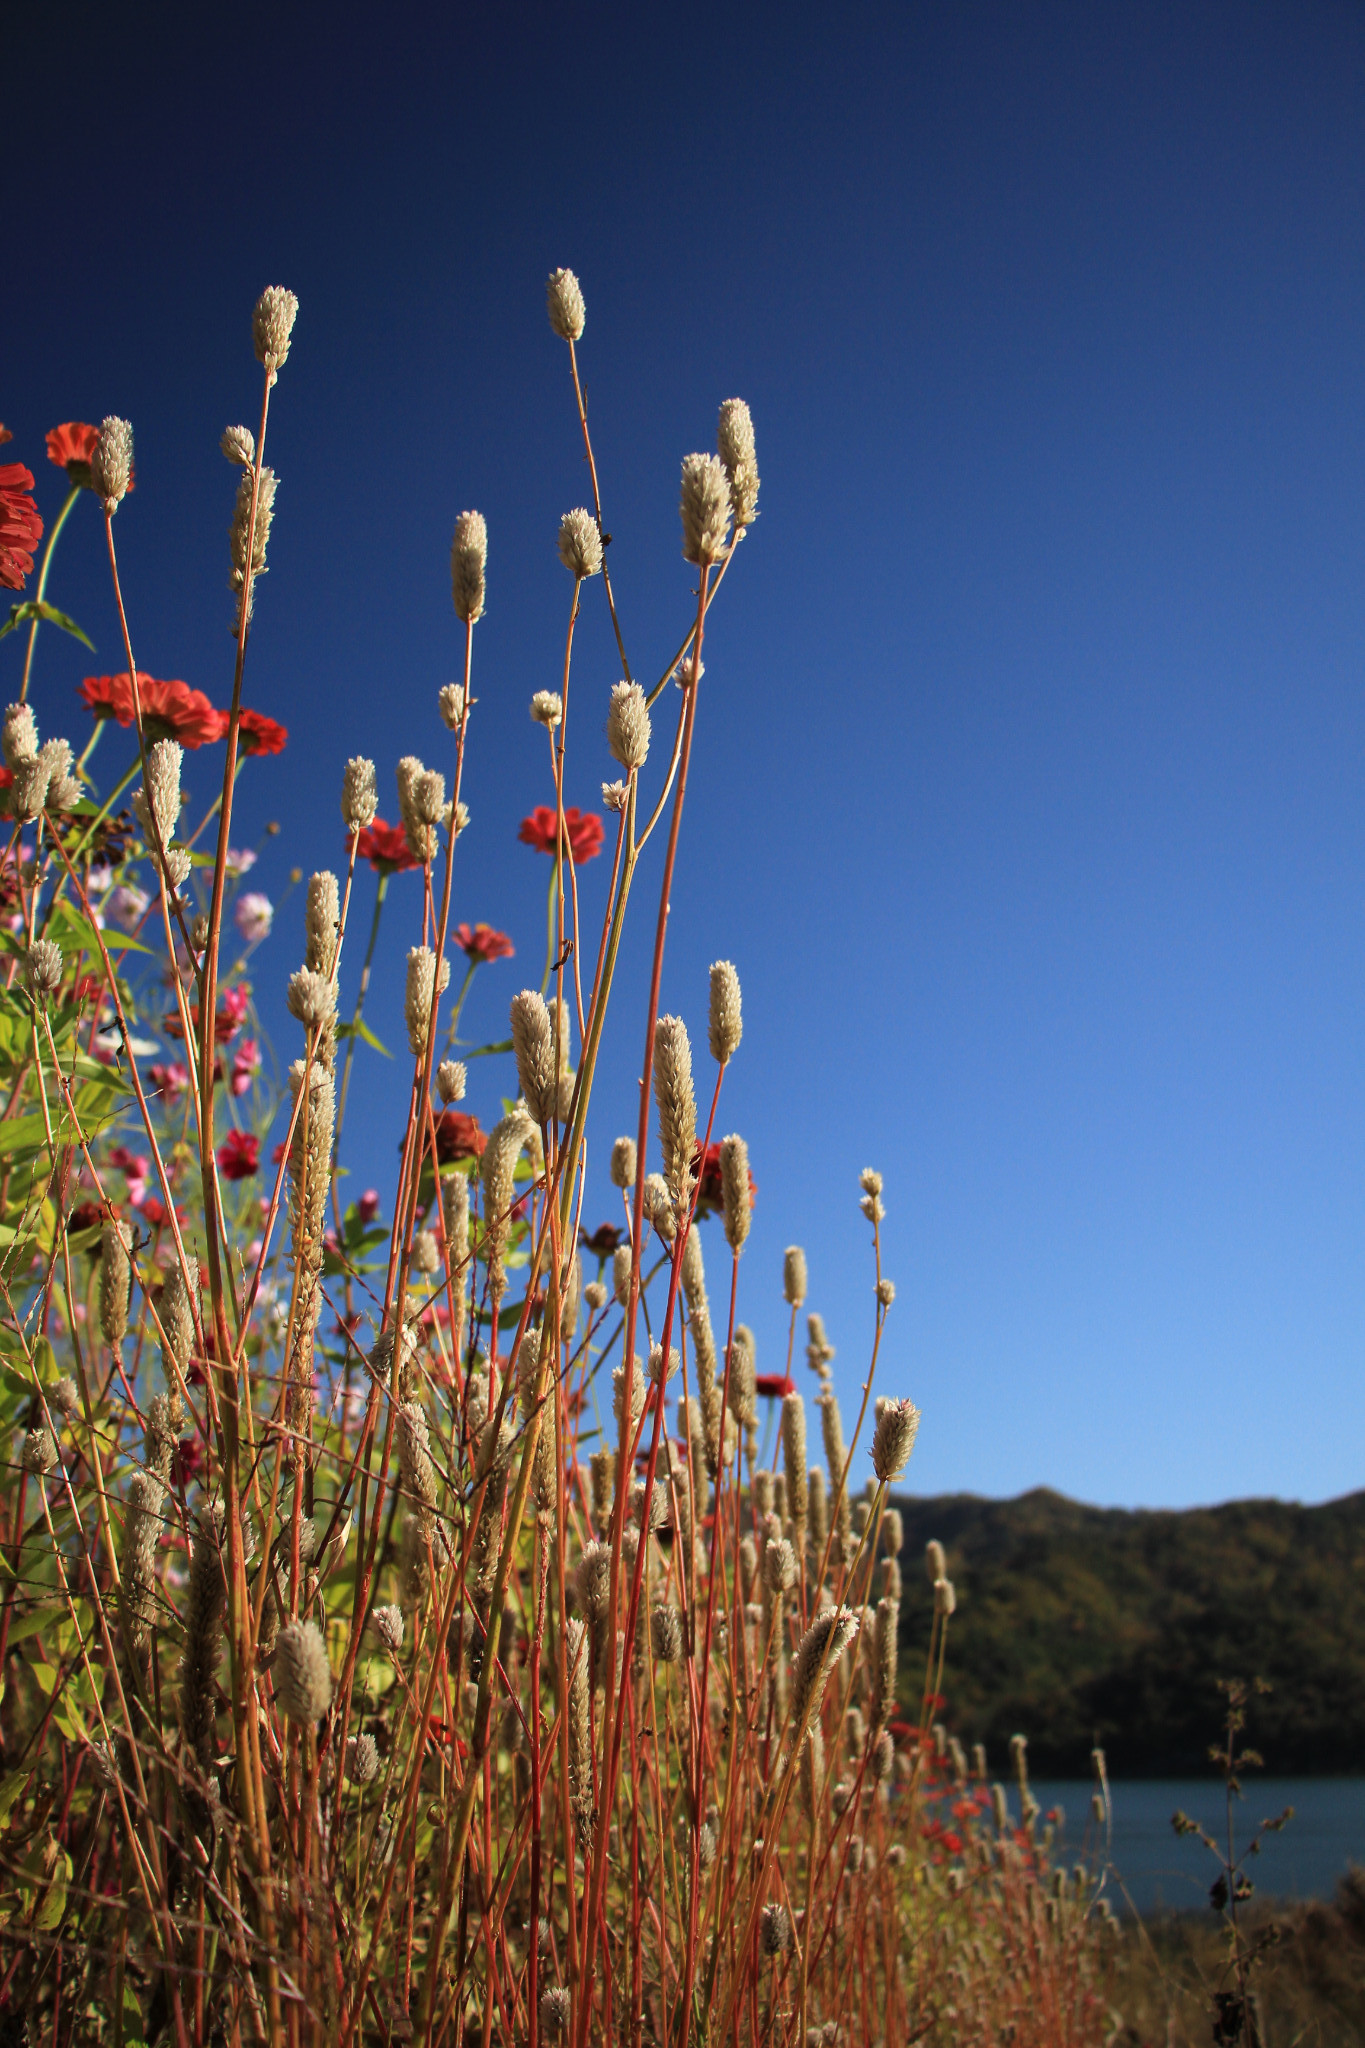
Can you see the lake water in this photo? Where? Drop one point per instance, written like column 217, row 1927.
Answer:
column 1162, row 1871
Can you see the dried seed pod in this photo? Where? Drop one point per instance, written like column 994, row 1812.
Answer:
column 794, row 1275
column 507, row 1138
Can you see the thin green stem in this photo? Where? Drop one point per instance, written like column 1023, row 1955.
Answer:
column 58, row 523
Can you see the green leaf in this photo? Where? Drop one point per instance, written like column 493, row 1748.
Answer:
column 503, row 1045
column 10, row 1788
column 19, row 1133
column 39, row 608
column 358, row 1028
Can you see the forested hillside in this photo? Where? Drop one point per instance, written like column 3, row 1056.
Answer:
column 1076, row 1623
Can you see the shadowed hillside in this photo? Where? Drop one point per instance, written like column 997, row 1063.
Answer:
column 1076, row 1623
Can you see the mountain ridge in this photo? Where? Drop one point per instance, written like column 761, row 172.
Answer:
column 1078, row 1624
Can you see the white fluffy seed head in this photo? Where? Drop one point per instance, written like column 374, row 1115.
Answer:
column 111, row 463
column 303, row 1677
column 794, row 1275
column 677, row 1103
column 623, row 1167
column 451, row 1080
column 704, row 506
column 620, row 1273
column 734, row 1181
column 450, row 704
column 272, row 324
column 564, row 304
column 362, row 1759
column 159, row 800
column 894, row 1438
column 39, row 1453
column 359, row 794
column 43, row 968
column 311, row 998
column 239, row 446
column 388, row 1626
column 735, row 439
column 547, row 709
column 628, row 727
column 468, row 566
column 580, row 543
column 20, row 735
column 726, row 1023
column 533, row 1046
column 322, row 917
column 420, row 994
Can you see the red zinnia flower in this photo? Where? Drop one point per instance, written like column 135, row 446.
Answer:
column 386, row 848
column 239, row 1155
column 706, row 1167
column 775, row 1386
column 170, row 710
column 257, row 734
column 458, row 1137
column 21, row 527
column 582, row 829
column 483, row 943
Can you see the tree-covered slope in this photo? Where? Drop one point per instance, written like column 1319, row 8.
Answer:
column 1078, row 1623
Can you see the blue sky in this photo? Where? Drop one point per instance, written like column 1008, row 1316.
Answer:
column 1027, row 796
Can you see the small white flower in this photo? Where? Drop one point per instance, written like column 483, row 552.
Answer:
column 253, row 916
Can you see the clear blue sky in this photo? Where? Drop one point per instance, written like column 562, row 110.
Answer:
column 1028, row 795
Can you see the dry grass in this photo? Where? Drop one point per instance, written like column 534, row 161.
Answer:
column 619, row 1774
